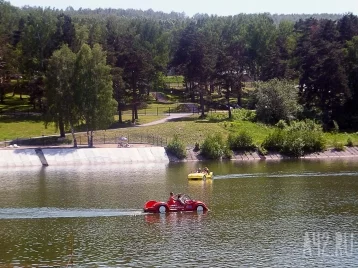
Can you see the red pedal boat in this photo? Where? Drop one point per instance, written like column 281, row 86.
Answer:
column 182, row 203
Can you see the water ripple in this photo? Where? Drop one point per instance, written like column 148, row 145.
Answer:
column 43, row 213
column 284, row 175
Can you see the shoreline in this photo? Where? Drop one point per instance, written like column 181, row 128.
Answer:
column 350, row 152
column 142, row 153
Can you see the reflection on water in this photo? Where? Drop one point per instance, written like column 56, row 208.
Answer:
column 262, row 214
column 173, row 219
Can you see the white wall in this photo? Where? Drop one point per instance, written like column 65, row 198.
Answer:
column 83, row 156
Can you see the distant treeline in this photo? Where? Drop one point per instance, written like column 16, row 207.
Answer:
column 215, row 54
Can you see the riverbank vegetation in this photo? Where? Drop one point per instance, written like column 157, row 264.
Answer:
column 286, row 83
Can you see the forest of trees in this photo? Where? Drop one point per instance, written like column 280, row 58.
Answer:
column 86, row 59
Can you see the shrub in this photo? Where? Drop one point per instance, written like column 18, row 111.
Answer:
column 276, row 100
column 314, row 141
column 213, row 147
column 281, row 124
column 217, row 117
column 296, row 139
column 177, row 148
column 196, row 147
column 338, row 146
column 335, row 127
column 261, row 150
column 244, row 114
column 274, row 141
column 293, row 145
column 349, row 142
column 306, row 125
column 241, row 141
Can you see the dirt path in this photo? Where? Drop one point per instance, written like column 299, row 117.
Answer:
column 168, row 118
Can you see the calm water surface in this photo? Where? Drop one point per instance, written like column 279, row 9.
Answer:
column 263, row 214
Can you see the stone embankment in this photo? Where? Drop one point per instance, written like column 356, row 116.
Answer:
column 110, row 154
column 241, row 156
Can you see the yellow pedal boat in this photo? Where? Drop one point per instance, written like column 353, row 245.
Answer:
column 200, row 176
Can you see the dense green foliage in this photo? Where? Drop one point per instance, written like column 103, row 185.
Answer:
column 306, row 67
column 177, row 148
column 296, row 139
column 214, row 147
column 241, row 141
column 277, row 100
column 79, row 89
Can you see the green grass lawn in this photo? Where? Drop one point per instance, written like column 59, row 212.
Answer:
column 23, row 127
column 14, row 103
column 191, row 130
column 28, row 126
column 333, row 138
column 143, row 119
column 174, row 79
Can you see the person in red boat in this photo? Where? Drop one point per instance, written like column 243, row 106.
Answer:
column 172, row 199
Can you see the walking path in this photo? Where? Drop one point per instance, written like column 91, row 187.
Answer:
column 170, row 117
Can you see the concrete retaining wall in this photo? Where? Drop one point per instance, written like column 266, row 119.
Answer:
column 83, row 156
column 19, row 158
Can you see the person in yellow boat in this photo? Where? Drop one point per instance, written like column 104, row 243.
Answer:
column 206, row 170
column 199, row 170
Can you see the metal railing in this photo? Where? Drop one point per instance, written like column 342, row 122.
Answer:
column 114, row 138
column 19, row 112
column 82, row 139
column 164, row 110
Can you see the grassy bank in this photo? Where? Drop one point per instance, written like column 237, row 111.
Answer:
column 191, row 130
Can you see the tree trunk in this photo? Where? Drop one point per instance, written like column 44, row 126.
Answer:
column 133, row 114
column 2, row 92
column 134, row 99
column 202, row 102
column 19, row 86
column 229, row 108
column 212, row 87
column 136, row 112
column 73, row 136
column 228, row 89
column 120, row 119
column 192, row 92
column 239, row 94
column 90, row 139
column 61, row 127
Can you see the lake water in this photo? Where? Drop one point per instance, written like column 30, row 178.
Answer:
column 263, row 214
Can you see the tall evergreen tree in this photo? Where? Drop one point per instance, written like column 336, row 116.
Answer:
column 136, row 61
column 323, row 82
column 350, row 113
column 195, row 58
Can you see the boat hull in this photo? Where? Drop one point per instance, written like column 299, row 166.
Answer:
column 153, row 206
column 200, row 176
